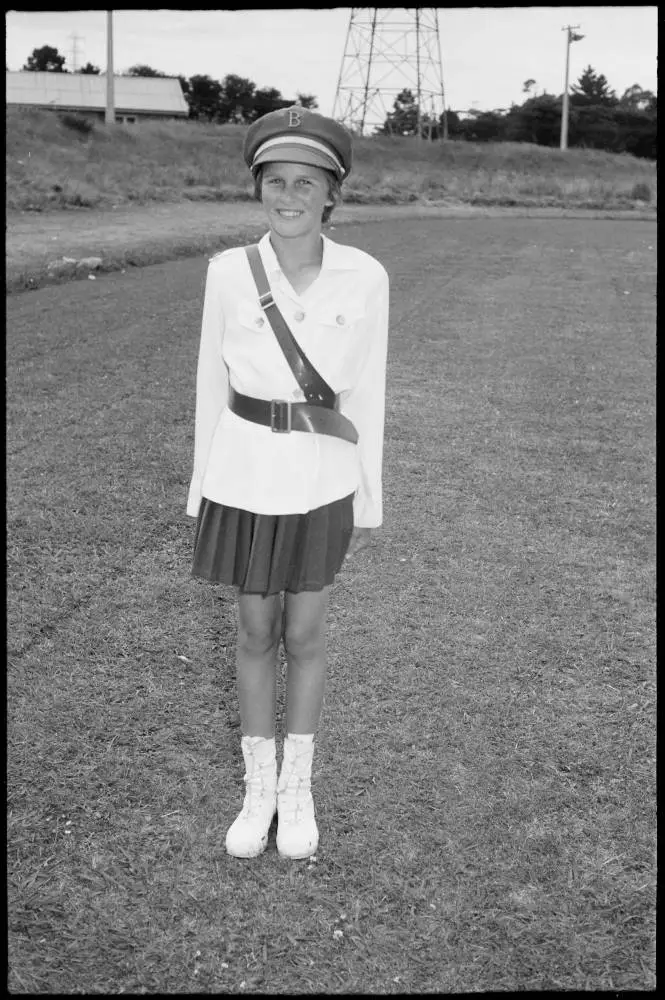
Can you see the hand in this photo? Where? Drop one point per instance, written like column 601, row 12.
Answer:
column 360, row 539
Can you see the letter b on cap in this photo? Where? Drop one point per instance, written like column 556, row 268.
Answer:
column 295, row 118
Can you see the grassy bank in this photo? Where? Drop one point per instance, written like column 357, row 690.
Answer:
column 52, row 165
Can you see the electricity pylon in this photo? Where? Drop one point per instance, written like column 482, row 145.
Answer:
column 389, row 50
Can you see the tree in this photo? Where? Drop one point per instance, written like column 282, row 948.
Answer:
column 598, row 120
column 184, row 86
column 636, row 99
column 484, row 126
column 639, row 133
column 140, row 70
column 403, row 119
column 307, row 101
column 455, row 126
column 204, row 97
column 594, row 127
column 267, row 99
column 237, row 99
column 592, row 88
column 45, row 60
column 89, row 70
column 538, row 120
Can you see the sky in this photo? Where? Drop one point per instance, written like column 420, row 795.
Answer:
column 487, row 52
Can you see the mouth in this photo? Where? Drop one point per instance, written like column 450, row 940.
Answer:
column 288, row 213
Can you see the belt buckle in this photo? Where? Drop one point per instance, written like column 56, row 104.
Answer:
column 280, row 416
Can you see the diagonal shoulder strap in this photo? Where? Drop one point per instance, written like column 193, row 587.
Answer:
column 315, row 388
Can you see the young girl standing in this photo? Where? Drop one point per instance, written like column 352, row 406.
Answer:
column 288, row 449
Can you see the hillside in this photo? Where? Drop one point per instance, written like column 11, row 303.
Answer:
column 57, row 162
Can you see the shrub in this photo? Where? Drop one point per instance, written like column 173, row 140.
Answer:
column 641, row 191
column 79, row 123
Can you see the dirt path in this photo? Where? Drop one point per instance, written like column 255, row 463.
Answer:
column 38, row 237
column 148, row 234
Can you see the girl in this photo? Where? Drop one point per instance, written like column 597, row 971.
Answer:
column 288, row 451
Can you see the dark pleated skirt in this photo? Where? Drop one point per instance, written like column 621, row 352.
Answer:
column 268, row 553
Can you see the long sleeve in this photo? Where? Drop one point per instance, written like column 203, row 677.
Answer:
column 365, row 406
column 212, row 386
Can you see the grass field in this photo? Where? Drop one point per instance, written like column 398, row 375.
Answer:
column 50, row 166
column 485, row 769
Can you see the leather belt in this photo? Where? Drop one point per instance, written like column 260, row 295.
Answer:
column 284, row 416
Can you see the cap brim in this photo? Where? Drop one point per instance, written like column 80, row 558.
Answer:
column 295, row 154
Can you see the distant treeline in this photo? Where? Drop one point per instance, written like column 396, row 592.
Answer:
column 597, row 118
column 233, row 100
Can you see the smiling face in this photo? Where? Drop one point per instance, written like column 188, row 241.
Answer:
column 294, row 196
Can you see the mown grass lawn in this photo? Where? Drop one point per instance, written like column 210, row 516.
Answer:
column 484, row 777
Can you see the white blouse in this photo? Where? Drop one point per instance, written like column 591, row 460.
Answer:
column 341, row 323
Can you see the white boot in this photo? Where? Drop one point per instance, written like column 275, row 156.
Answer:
column 297, row 834
column 248, row 834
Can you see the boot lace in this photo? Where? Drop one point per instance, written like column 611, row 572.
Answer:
column 256, row 791
column 295, row 798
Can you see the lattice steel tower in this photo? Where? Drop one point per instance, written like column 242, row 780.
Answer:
column 388, row 50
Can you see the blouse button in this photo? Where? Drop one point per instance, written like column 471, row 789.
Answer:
column 299, row 316
column 340, row 320
column 259, row 321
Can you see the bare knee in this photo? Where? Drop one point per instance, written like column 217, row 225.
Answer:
column 304, row 640
column 259, row 633
column 258, row 641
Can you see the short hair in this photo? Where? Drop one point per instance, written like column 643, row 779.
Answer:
column 334, row 190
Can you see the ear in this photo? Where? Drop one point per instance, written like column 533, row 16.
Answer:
column 332, row 199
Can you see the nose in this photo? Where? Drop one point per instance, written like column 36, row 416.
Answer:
column 290, row 192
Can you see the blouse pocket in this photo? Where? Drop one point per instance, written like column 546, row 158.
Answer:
column 343, row 319
column 250, row 316
column 337, row 344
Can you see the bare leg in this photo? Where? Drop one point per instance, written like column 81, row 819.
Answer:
column 259, row 633
column 305, row 644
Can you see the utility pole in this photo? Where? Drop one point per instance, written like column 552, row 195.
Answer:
column 419, row 125
column 570, row 37
column 110, row 106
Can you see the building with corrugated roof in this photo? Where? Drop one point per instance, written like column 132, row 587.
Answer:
column 134, row 97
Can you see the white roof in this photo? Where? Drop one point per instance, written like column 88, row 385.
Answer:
column 87, row 91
